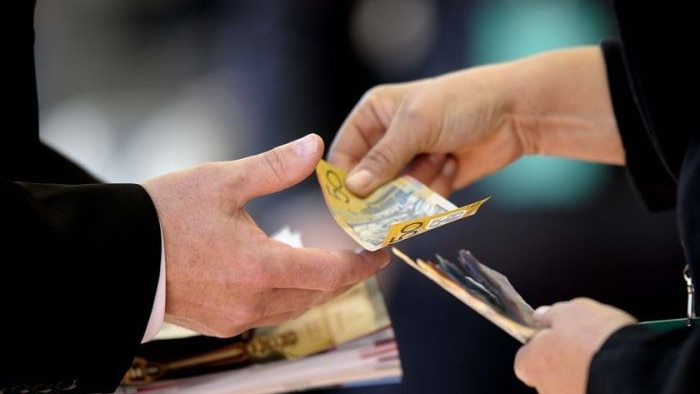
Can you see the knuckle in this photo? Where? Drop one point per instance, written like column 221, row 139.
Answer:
column 519, row 365
column 382, row 156
column 375, row 93
column 333, row 280
column 294, row 315
column 583, row 300
column 251, row 312
column 331, row 283
column 526, row 367
column 414, row 113
column 230, row 332
column 276, row 163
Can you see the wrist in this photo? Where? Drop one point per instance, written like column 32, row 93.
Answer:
column 560, row 105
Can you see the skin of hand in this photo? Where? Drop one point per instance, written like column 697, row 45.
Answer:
column 557, row 359
column 224, row 275
column 453, row 129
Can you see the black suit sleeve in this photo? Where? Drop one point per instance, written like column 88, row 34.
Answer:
column 79, row 273
column 646, row 66
column 79, row 260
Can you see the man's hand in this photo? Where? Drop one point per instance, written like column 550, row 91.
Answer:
column 224, row 274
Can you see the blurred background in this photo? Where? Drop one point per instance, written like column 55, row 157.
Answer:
column 135, row 88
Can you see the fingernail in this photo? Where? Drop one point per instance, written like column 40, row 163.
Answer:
column 305, row 146
column 449, row 168
column 359, row 180
column 384, row 264
column 540, row 312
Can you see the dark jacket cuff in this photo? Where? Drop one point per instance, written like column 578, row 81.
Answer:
column 640, row 360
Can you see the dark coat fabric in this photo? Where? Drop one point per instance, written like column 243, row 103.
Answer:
column 652, row 88
column 80, row 260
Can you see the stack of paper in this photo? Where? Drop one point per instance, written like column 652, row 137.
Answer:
column 347, row 341
column 372, row 359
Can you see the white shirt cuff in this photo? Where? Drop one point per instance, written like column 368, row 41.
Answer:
column 158, row 312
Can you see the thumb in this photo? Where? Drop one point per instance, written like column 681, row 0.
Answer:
column 280, row 167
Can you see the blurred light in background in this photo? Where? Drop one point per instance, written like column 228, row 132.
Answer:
column 394, row 36
column 91, row 136
column 500, row 30
column 133, row 89
column 188, row 128
column 546, row 183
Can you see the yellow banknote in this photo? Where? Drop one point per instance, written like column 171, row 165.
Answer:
column 399, row 210
column 358, row 312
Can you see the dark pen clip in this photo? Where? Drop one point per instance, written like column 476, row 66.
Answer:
column 691, row 292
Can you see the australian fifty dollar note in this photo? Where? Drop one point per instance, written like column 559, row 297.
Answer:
column 398, row 210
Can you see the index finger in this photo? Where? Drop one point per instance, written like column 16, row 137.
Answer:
column 360, row 131
column 374, row 155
